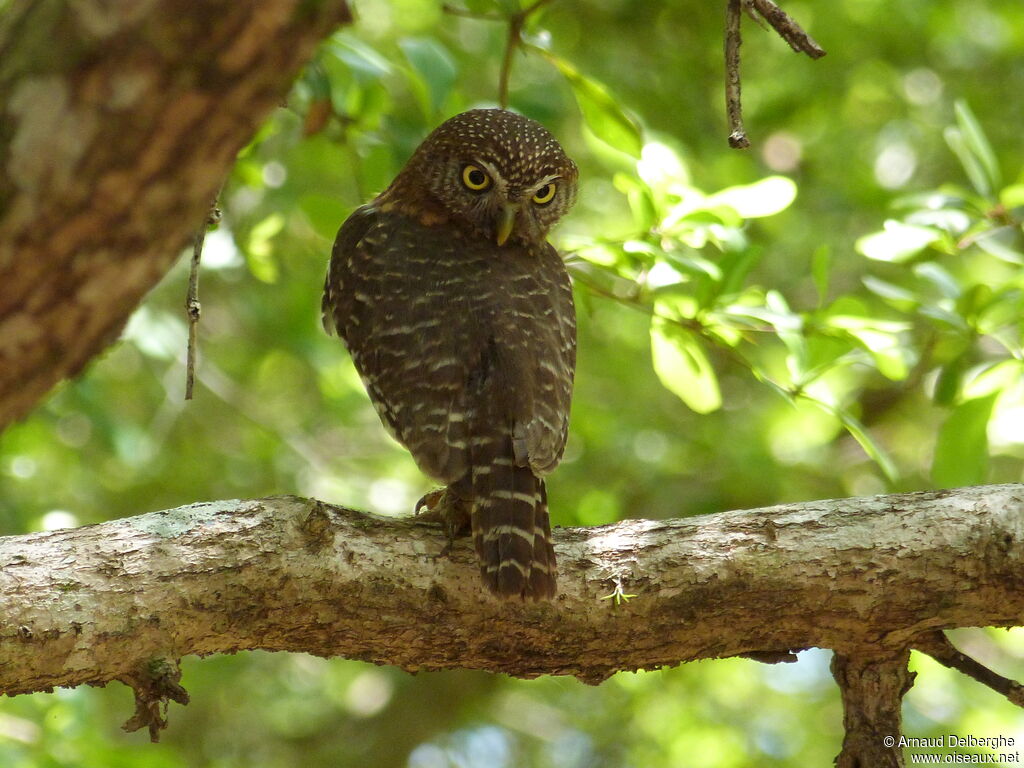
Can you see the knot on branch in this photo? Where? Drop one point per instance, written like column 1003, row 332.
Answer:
column 155, row 684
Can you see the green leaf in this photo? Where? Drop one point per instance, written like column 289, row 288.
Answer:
column 890, row 355
column 947, row 386
column 897, row 242
column 366, row 64
column 435, row 68
column 736, row 266
column 259, row 252
column 325, row 213
column 940, row 277
column 762, row 198
column 961, row 451
column 974, row 141
column 641, row 200
column 891, row 292
column 315, row 78
column 1003, row 243
column 995, row 379
column 821, row 265
column 1012, row 196
column 601, row 111
column 860, row 433
column 683, row 368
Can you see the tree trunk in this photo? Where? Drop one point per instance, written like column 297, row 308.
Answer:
column 118, row 123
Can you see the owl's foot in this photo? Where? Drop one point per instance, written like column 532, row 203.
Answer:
column 446, row 507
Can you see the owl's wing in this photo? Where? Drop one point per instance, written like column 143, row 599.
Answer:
column 382, row 297
column 539, row 433
column 335, row 306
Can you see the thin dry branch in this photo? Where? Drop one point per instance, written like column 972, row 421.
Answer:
column 733, row 39
column 193, row 309
column 938, row 646
column 787, row 28
column 513, row 40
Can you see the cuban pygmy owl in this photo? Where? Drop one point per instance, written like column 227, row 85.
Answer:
column 459, row 318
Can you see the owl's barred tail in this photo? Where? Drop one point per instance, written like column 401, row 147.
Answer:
column 512, row 530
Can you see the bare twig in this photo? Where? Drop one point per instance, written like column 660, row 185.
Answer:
column 737, row 136
column 516, row 22
column 787, row 28
column 192, row 306
column 938, row 646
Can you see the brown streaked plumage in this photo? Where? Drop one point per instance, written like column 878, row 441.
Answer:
column 459, row 317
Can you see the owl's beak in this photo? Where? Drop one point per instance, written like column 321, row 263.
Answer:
column 506, row 221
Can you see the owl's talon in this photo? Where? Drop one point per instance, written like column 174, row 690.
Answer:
column 449, row 509
column 428, row 508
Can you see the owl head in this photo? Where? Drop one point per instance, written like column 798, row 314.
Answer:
column 497, row 174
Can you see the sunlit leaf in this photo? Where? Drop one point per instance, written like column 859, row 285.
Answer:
column 889, row 353
column 694, row 264
column 259, row 251
column 602, row 112
column 1003, row 311
column 675, row 304
column 891, row 292
column 361, row 58
column 850, row 312
column 641, row 200
column 1003, row 243
column 659, row 165
column 762, row 198
column 939, row 277
column 1012, row 196
column 961, row 451
column 860, row 433
column 897, row 241
column 950, row 220
column 933, row 201
column 994, row 379
column 976, row 143
column 683, row 368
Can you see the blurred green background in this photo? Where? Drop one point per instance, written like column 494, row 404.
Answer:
column 836, row 311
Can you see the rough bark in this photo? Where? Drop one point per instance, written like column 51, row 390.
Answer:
column 861, row 576
column 872, row 688
column 118, row 122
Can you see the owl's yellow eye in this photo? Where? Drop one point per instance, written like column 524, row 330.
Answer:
column 545, row 194
column 474, row 178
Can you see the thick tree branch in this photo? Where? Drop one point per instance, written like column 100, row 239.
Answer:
column 862, row 576
column 117, row 124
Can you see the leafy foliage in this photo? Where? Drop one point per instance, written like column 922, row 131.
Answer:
column 836, row 312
